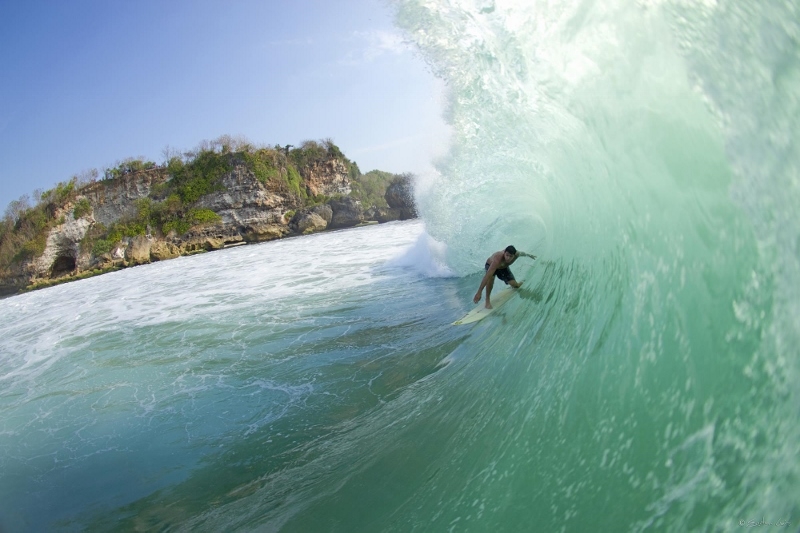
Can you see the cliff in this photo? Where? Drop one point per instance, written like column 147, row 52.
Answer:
column 219, row 198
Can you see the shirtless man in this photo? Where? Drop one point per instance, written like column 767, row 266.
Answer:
column 497, row 265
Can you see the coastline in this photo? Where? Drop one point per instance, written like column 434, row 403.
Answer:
column 147, row 213
column 45, row 283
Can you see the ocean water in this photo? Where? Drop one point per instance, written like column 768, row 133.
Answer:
column 644, row 378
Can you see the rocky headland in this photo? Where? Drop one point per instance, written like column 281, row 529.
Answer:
column 216, row 198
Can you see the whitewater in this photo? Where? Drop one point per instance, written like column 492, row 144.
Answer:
column 643, row 379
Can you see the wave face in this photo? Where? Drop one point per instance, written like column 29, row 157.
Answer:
column 648, row 151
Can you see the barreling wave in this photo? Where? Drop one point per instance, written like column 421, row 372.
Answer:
column 647, row 151
column 643, row 379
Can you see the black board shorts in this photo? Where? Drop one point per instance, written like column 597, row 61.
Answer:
column 503, row 274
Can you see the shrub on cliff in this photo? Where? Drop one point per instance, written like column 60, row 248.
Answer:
column 370, row 188
column 60, row 194
column 102, row 246
column 265, row 164
column 156, row 214
column 199, row 177
column 314, row 153
column 203, row 216
column 271, row 166
column 189, row 220
column 82, row 208
column 295, row 182
column 94, row 243
column 128, row 166
column 309, row 153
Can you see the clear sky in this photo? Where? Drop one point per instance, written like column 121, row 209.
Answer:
column 87, row 83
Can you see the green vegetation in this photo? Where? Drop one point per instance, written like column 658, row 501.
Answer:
column 266, row 164
column 190, row 219
column 313, row 153
column 310, row 153
column 271, row 166
column 102, row 246
column 199, row 177
column 62, row 192
column 82, row 208
column 24, row 229
column 295, row 182
column 370, row 188
column 128, row 166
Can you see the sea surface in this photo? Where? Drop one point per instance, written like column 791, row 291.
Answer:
column 645, row 377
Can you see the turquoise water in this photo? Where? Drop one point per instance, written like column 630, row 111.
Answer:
column 643, row 380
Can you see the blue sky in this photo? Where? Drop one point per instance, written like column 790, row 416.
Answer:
column 87, row 83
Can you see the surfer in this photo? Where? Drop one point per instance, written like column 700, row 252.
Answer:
column 497, row 265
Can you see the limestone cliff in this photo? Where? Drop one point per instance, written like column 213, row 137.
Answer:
column 114, row 200
column 62, row 251
column 328, row 178
column 139, row 217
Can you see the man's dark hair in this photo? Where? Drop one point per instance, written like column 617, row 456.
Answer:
column 511, row 250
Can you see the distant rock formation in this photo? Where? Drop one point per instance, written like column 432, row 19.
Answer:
column 327, row 177
column 311, row 219
column 245, row 209
column 400, row 196
column 347, row 212
column 114, row 200
column 62, row 252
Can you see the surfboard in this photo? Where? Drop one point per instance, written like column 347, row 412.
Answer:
column 480, row 312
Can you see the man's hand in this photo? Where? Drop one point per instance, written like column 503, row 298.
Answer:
column 477, row 298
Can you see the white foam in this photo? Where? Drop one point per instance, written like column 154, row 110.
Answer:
column 427, row 256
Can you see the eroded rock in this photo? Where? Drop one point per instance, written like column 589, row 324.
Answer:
column 347, row 212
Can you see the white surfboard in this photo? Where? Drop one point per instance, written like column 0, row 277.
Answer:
column 480, row 312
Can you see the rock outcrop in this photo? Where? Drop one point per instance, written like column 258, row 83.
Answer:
column 245, row 210
column 400, row 196
column 114, row 200
column 347, row 212
column 312, row 219
column 138, row 250
column 256, row 211
column 62, row 253
column 328, row 178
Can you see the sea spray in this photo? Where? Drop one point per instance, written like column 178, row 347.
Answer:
column 427, row 256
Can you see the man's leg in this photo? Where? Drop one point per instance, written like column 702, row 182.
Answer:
column 489, row 285
column 514, row 283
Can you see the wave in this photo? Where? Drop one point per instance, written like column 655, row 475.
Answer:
column 642, row 378
column 647, row 152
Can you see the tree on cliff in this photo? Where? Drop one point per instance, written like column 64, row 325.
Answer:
column 16, row 208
